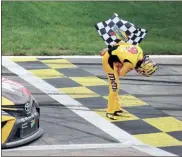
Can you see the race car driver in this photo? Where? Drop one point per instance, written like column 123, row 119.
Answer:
column 117, row 61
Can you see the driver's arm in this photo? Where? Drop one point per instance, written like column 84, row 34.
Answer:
column 127, row 67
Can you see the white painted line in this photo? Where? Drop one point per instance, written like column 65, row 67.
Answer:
column 95, row 56
column 91, row 116
column 65, row 147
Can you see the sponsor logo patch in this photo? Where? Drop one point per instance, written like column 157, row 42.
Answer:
column 132, row 49
column 113, row 81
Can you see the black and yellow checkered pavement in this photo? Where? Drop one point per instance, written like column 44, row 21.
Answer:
column 141, row 120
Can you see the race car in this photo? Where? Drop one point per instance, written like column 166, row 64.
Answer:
column 20, row 115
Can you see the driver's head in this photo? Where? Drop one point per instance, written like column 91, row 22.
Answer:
column 146, row 67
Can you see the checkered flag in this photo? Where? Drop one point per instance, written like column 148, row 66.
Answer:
column 115, row 29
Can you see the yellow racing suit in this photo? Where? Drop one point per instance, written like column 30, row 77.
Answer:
column 127, row 56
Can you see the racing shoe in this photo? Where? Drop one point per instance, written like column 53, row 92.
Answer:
column 118, row 113
column 111, row 116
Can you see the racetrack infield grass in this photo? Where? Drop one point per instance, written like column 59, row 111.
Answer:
column 67, row 28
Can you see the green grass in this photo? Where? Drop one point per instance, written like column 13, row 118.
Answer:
column 67, row 28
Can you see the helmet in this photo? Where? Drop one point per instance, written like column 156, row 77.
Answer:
column 146, row 66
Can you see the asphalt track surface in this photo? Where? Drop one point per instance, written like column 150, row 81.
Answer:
column 153, row 105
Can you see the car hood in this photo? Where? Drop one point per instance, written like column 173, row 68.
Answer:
column 14, row 92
